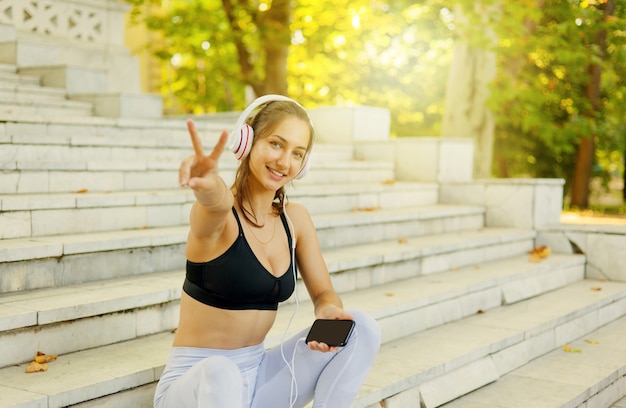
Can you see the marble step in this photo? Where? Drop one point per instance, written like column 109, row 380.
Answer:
column 436, row 366
column 148, row 304
column 65, row 138
column 592, row 375
column 10, row 76
column 10, row 68
column 62, row 260
column 40, row 177
column 29, row 93
column 135, row 363
column 37, row 215
column 68, row 148
column 20, row 107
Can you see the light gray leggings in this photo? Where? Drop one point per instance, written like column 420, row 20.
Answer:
column 256, row 378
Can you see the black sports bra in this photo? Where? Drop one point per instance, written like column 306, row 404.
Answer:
column 236, row 280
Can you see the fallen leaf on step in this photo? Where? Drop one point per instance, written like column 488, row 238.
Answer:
column 480, row 311
column 35, row 367
column 389, row 294
column 42, row 358
column 174, row 330
column 538, row 253
column 596, row 288
column 567, row 348
column 476, row 266
column 84, row 190
column 389, row 182
column 588, row 341
column 372, row 208
column 402, row 240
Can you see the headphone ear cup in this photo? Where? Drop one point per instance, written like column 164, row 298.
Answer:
column 242, row 141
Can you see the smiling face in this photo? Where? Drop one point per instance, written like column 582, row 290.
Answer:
column 283, row 132
column 277, row 157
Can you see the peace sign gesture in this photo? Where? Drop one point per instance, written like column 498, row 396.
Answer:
column 200, row 172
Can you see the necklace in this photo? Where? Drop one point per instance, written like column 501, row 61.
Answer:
column 270, row 238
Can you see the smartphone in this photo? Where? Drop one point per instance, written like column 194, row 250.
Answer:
column 335, row 333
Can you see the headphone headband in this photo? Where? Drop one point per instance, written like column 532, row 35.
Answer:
column 241, row 120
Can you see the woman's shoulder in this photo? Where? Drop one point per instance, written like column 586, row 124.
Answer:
column 296, row 210
column 298, row 214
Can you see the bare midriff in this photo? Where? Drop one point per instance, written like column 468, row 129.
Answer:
column 206, row 326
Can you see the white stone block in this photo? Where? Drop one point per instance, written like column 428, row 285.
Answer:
column 15, row 224
column 164, row 216
column 541, row 343
column 157, row 319
column 519, row 203
column 577, row 327
column 481, row 301
column 33, row 182
column 509, row 205
column 417, row 159
column 7, row 33
column 467, row 193
column 611, row 312
column 444, row 312
column 15, row 317
column 60, row 339
column 468, row 378
column 89, row 181
column 73, row 79
column 510, row 358
column 605, row 397
column 607, row 254
column 405, row 399
column 456, row 160
column 548, row 204
column 384, row 150
column 118, row 105
column 348, row 124
column 557, row 241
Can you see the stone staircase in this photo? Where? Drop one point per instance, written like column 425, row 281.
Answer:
column 92, row 235
column 93, row 230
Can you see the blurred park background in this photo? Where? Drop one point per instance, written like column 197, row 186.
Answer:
column 539, row 85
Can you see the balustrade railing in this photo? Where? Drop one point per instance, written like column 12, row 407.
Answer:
column 87, row 21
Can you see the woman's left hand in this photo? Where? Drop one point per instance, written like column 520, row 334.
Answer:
column 328, row 312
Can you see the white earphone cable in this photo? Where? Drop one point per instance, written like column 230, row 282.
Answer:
column 293, row 393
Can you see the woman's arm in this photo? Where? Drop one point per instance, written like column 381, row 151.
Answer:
column 213, row 198
column 312, row 266
column 314, row 272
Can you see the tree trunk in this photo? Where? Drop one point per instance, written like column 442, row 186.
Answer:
column 466, row 114
column 582, row 173
column 585, row 153
column 276, row 39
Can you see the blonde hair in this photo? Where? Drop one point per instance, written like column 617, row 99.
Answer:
column 267, row 118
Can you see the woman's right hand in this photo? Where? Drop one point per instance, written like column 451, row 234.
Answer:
column 200, row 171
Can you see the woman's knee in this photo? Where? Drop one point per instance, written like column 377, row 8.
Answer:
column 368, row 329
column 219, row 371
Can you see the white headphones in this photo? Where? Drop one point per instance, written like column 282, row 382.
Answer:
column 240, row 139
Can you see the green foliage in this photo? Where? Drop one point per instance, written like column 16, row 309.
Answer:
column 396, row 54
column 390, row 53
column 375, row 53
column 539, row 96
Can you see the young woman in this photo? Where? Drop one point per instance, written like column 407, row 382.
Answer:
column 242, row 251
